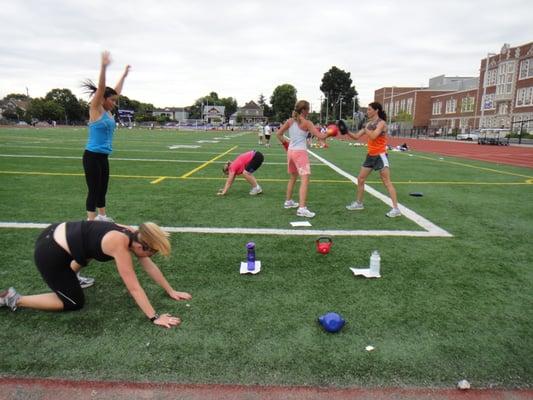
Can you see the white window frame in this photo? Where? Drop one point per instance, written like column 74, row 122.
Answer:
column 467, row 104
column 524, row 97
column 437, row 107
column 451, row 106
column 526, row 69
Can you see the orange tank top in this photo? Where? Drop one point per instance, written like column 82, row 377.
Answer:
column 378, row 145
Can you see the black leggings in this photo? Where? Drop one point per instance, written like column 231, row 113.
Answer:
column 53, row 262
column 96, row 167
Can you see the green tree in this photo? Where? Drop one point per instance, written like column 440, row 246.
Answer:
column 69, row 102
column 17, row 96
column 267, row 110
column 403, row 116
column 45, row 110
column 230, row 105
column 283, row 100
column 337, row 87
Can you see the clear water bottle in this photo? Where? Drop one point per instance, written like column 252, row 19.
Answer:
column 375, row 261
column 251, row 255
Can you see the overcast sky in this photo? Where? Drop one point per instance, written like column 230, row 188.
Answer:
column 183, row 50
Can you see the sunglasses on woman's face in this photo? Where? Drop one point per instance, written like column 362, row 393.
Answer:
column 147, row 248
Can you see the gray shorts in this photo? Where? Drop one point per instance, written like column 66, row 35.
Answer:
column 376, row 162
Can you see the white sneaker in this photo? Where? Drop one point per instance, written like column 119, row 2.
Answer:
column 394, row 212
column 9, row 298
column 103, row 218
column 256, row 190
column 304, row 212
column 85, row 281
column 290, row 204
column 355, row 206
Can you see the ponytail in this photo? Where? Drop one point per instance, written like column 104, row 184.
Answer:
column 299, row 107
column 379, row 108
column 90, row 88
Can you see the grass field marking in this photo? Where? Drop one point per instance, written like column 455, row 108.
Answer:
column 134, row 159
column 475, row 167
column 257, row 231
column 408, row 213
column 161, row 179
column 207, row 163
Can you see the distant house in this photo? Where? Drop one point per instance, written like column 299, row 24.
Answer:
column 214, row 114
column 10, row 106
column 250, row 113
column 175, row 113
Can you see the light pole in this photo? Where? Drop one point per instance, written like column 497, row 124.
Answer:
column 353, row 112
column 340, row 106
column 327, row 111
column 320, row 118
column 485, row 84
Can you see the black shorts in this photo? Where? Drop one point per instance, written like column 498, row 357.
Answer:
column 376, row 162
column 255, row 162
column 53, row 262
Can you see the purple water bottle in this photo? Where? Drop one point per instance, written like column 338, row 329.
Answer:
column 251, row 255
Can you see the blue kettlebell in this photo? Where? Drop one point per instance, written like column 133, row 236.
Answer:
column 331, row 322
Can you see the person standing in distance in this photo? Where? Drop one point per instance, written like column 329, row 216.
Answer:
column 100, row 141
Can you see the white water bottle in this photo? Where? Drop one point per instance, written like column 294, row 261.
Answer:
column 375, row 261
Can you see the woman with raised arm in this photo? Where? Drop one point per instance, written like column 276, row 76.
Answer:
column 100, row 142
column 63, row 248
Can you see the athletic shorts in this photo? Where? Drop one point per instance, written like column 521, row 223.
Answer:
column 298, row 162
column 376, row 162
column 53, row 262
column 255, row 162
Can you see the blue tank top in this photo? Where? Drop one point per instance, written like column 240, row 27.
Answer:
column 101, row 135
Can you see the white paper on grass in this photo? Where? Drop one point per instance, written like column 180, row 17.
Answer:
column 207, row 141
column 366, row 272
column 244, row 268
column 301, row 223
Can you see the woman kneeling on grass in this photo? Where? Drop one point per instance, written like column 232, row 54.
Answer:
column 63, row 248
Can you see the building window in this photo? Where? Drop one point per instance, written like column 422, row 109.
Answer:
column 451, row 106
column 402, row 105
column 410, row 105
column 488, row 102
column 396, row 107
column 504, row 83
column 524, row 97
column 437, row 108
column 526, row 68
column 491, row 77
column 467, row 104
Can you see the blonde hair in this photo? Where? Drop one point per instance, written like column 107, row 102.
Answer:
column 155, row 237
column 225, row 168
column 301, row 105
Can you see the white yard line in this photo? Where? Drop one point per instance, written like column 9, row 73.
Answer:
column 255, row 231
column 407, row 212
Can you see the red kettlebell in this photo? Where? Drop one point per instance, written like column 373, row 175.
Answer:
column 323, row 244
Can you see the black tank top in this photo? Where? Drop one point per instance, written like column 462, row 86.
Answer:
column 84, row 239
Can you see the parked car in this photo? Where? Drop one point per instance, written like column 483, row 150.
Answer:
column 468, row 136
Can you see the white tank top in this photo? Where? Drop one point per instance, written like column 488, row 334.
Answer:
column 298, row 137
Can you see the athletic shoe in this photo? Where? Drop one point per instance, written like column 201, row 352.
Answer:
column 304, row 212
column 394, row 212
column 103, row 218
column 85, row 281
column 355, row 206
column 9, row 298
column 256, row 190
column 290, row 204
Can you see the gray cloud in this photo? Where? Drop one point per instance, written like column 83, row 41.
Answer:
column 183, row 50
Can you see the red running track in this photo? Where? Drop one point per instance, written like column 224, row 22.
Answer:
column 518, row 155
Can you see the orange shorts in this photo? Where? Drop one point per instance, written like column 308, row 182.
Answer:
column 298, row 162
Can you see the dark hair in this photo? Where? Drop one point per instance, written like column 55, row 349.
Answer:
column 90, row 88
column 379, row 108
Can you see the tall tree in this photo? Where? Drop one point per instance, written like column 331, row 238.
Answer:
column 69, row 102
column 17, row 96
column 267, row 110
column 283, row 100
column 45, row 110
column 342, row 96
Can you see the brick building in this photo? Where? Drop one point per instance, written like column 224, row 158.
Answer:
column 506, row 95
column 458, row 104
